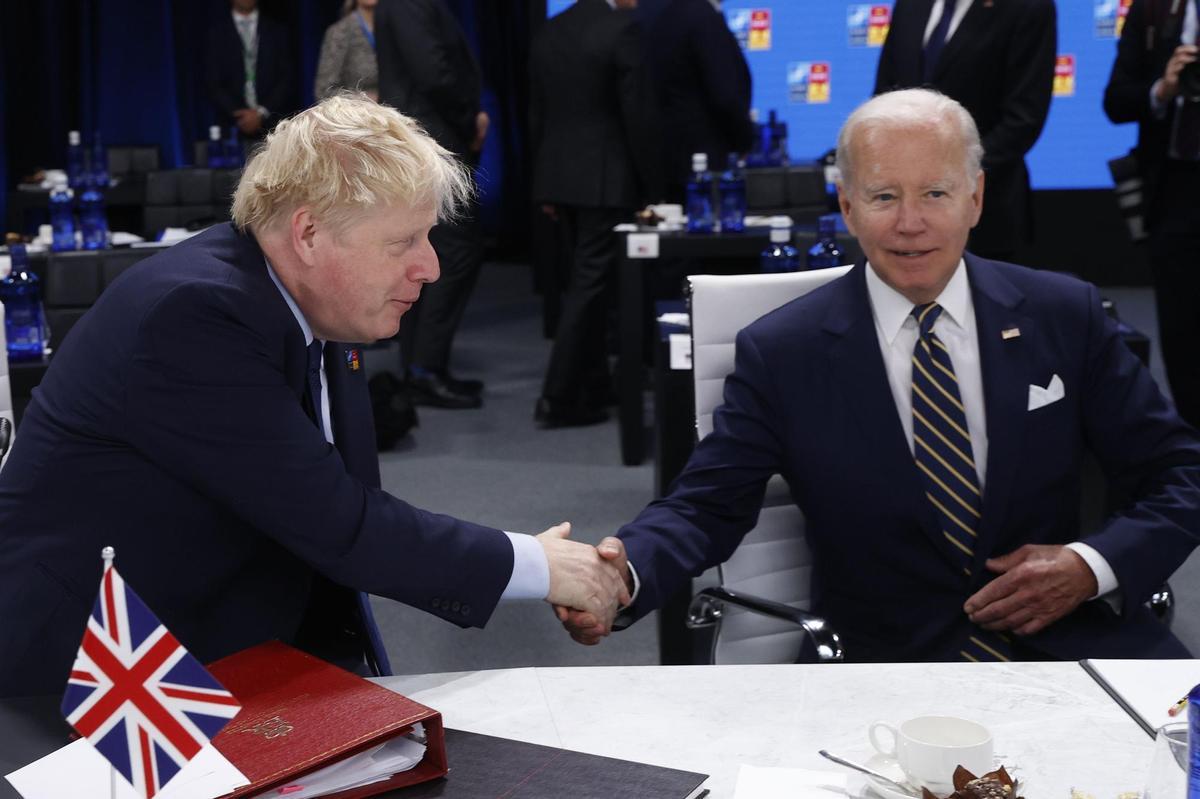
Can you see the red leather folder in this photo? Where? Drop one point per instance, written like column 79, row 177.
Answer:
column 300, row 714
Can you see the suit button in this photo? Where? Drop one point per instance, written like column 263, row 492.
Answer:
column 466, row 610
column 436, row 602
column 455, row 606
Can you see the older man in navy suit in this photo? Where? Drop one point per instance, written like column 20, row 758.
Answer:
column 205, row 420
column 930, row 411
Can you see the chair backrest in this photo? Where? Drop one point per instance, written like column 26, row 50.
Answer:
column 6, row 402
column 773, row 561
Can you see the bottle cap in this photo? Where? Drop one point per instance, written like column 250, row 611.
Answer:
column 699, row 162
column 214, row 132
column 73, row 137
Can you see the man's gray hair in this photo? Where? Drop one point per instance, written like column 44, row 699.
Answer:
column 345, row 155
column 911, row 108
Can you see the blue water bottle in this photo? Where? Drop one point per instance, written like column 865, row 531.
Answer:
column 1193, row 771
column 733, row 196
column 699, row 196
column 62, row 217
column 780, row 255
column 233, row 149
column 76, row 169
column 825, row 253
column 99, row 161
column 24, row 320
column 92, row 219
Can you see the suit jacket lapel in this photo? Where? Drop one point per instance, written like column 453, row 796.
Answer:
column 979, row 18
column 350, row 411
column 856, row 363
column 1007, row 366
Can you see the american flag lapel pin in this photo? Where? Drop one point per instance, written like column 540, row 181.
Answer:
column 1010, row 332
column 352, row 361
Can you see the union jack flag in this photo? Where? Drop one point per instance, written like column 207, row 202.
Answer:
column 142, row 700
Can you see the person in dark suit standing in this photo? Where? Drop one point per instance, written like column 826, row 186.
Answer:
column 248, row 70
column 209, row 419
column 1155, row 82
column 996, row 57
column 427, row 71
column 702, row 84
column 591, row 151
column 929, row 411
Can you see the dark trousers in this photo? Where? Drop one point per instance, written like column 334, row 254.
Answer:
column 578, row 371
column 427, row 330
column 1175, row 261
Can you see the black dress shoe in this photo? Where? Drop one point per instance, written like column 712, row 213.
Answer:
column 463, row 386
column 550, row 413
column 433, row 390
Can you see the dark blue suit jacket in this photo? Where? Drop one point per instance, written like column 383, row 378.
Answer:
column 809, row 399
column 171, row 426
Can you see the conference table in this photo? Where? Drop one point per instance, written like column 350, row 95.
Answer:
column 1050, row 721
column 1052, row 724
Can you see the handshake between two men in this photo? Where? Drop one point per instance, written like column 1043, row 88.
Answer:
column 588, row 585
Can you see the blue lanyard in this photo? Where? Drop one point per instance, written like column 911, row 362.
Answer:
column 366, row 31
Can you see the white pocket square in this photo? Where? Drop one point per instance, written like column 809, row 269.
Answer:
column 1040, row 397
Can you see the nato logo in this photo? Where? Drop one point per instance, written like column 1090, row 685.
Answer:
column 1109, row 17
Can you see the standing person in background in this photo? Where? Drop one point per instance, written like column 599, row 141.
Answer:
column 348, row 53
column 1155, row 82
column 248, row 70
column 703, row 88
column 591, row 150
column 427, row 71
column 997, row 59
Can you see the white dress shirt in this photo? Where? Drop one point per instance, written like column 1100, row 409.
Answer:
column 935, row 15
column 898, row 330
column 530, row 578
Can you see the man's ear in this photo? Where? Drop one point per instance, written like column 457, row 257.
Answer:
column 977, row 199
column 844, row 206
column 302, row 228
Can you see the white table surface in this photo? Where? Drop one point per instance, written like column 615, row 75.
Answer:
column 1050, row 720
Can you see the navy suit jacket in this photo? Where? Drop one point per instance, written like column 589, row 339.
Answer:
column 225, row 70
column 809, row 399
column 428, row 71
column 589, row 111
column 1000, row 65
column 703, row 86
column 171, row 426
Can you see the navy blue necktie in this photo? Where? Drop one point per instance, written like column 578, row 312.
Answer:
column 937, row 40
column 314, row 382
column 946, row 461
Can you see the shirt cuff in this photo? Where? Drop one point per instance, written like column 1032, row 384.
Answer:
column 1157, row 108
column 637, row 586
column 531, row 571
column 1106, row 579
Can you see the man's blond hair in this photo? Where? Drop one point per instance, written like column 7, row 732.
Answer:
column 345, row 155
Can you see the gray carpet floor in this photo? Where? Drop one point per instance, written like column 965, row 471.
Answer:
column 494, row 466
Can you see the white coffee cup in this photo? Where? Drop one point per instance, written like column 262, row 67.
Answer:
column 929, row 748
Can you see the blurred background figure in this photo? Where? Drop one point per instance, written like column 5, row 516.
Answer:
column 703, row 89
column 348, row 53
column 428, row 71
column 248, row 70
column 1155, row 82
column 997, row 59
column 592, row 146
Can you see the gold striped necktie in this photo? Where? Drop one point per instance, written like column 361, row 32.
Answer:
column 946, row 461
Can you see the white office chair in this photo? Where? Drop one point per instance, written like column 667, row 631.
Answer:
column 7, row 418
column 759, row 610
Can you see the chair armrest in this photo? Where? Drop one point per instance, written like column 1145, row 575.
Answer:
column 707, row 606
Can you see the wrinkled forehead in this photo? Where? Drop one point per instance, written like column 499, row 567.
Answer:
column 934, row 147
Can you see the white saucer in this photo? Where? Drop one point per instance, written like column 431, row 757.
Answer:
column 888, row 767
